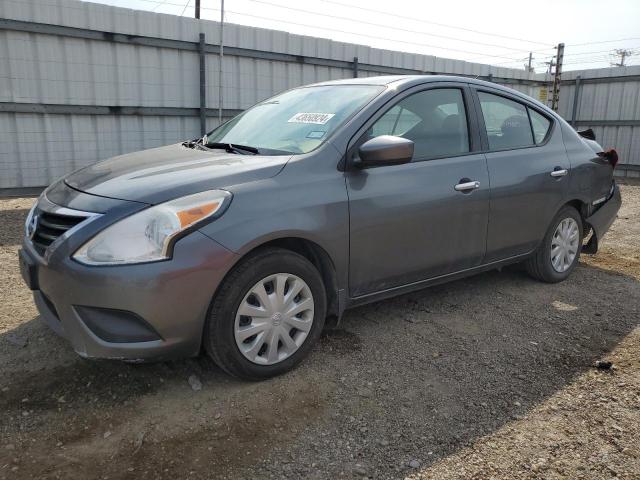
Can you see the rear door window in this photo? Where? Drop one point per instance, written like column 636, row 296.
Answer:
column 506, row 121
column 540, row 126
column 435, row 120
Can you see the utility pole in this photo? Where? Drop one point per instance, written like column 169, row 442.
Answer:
column 623, row 53
column 549, row 92
column 555, row 95
column 529, row 69
column 221, row 61
column 197, row 8
column 551, row 63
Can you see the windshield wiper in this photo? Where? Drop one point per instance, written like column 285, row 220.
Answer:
column 229, row 147
column 234, row 148
column 195, row 144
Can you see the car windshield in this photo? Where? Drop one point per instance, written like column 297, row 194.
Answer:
column 296, row 121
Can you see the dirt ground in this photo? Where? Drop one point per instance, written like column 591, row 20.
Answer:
column 487, row 377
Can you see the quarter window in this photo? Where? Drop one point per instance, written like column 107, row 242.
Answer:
column 506, row 122
column 435, row 120
column 540, row 126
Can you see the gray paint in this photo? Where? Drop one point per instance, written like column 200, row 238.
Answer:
column 180, row 170
column 383, row 230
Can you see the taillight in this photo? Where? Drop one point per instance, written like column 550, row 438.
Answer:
column 611, row 155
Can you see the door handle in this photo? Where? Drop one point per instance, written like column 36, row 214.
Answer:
column 559, row 172
column 466, row 186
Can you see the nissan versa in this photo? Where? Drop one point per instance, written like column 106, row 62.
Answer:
column 244, row 242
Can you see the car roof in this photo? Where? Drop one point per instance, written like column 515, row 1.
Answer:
column 402, row 80
column 411, row 80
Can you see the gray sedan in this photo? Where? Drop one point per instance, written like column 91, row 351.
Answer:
column 245, row 242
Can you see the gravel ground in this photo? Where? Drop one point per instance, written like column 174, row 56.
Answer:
column 487, row 377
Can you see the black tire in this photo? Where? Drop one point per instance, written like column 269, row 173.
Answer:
column 539, row 265
column 219, row 340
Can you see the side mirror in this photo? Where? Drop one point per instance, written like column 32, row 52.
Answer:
column 384, row 150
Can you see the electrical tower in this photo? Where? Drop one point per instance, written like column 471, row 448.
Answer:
column 623, row 54
column 528, row 66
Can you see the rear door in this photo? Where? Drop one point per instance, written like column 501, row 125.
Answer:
column 528, row 169
column 408, row 222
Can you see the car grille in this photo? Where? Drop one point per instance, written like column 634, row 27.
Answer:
column 49, row 226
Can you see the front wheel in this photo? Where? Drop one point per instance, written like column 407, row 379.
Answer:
column 266, row 316
column 558, row 254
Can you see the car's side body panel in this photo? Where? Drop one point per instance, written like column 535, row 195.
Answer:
column 307, row 200
column 408, row 223
column 524, row 195
column 591, row 175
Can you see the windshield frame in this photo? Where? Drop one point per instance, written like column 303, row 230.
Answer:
column 274, row 152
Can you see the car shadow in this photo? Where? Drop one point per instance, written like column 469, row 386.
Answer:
column 486, row 349
column 429, row 371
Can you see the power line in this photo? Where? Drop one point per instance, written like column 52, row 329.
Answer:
column 604, row 41
column 160, row 2
column 158, row 5
column 185, row 7
column 587, row 61
column 518, row 60
column 510, row 60
column 407, row 30
column 376, row 37
column 336, row 30
column 382, row 12
column 592, row 52
column 475, row 59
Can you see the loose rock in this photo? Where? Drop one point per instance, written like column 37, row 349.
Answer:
column 196, row 384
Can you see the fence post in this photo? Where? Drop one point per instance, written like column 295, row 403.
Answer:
column 576, row 101
column 203, row 89
column 355, row 67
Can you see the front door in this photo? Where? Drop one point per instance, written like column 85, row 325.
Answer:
column 425, row 218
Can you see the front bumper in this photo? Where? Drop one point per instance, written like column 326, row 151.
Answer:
column 129, row 312
column 600, row 221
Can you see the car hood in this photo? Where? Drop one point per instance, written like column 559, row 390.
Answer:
column 161, row 174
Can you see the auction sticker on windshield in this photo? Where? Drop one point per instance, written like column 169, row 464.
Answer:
column 315, row 118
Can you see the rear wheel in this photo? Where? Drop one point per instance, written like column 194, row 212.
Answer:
column 267, row 315
column 558, row 254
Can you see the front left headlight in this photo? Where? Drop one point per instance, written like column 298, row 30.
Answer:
column 147, row 236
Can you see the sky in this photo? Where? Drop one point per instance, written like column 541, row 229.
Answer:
column 497, row 32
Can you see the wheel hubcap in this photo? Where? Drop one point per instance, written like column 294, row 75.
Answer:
column 564, row 245
column 274, row 318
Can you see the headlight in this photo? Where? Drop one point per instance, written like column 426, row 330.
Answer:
column 146, row 236
column 29, row 224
